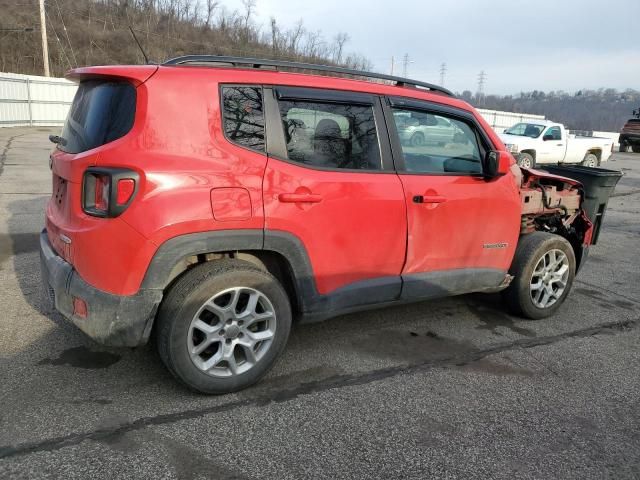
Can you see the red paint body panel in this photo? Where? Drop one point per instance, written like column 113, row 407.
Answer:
column 230, row 204
column 356, row 231
column 192, row 179
column 472, row 212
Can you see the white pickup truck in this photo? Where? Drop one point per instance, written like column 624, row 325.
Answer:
column 545, row 142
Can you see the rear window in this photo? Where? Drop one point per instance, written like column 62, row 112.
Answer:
column 101, row 112
column 244, row 116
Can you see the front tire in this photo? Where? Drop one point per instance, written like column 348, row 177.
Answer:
column 222, row 326
column 526, row 160
column 543, row 268
column 590, row 160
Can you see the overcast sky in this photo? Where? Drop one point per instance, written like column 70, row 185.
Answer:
column 520, row 44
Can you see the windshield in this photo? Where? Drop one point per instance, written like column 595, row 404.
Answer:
column 102, row 111
column 526, row 130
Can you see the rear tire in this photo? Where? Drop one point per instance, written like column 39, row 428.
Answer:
column 590, row 160
column 526, row 160
column 636, row 148
column 226, row 309
column 623, row 148
column 543, row 268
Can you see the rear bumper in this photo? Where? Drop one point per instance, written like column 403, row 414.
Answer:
column 113, row 320
column 629, row 138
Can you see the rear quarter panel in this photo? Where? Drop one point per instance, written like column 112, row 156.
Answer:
column 178, row 148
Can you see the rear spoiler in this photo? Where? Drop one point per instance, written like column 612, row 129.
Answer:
column 136, row 74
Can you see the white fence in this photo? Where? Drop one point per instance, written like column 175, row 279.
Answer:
column 501, row 120
column 31, row 100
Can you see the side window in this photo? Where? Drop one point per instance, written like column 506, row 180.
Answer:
column 331, row 135
column 452, row 146
column 244, row 116
column 554, row 133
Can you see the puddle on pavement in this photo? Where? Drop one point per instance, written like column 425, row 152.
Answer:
column 96, row 401
column 17, row 244
column 605, row 300
column 309, row 375
column 411, row 346
column 498, row 368
column 492, row 318
column 82, row 357
column 186, row 462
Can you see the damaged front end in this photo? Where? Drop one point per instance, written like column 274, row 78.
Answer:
column 551, row 203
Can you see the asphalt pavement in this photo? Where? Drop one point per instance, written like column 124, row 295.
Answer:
column 454, row 388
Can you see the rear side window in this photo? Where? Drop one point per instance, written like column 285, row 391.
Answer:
column 331, row 135
column 435, row 143
column 102, row 111
column 244, row 116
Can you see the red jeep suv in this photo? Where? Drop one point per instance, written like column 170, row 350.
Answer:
column 209, row 201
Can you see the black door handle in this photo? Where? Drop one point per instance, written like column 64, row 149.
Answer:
column 428, row 199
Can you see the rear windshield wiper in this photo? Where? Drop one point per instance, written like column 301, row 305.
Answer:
column 58, row 140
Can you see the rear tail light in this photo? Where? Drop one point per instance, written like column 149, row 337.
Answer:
column 107, row 192
column 101, row 192
column 126, row 187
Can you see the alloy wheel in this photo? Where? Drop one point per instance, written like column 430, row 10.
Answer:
column 231, row 332
column 549, row 278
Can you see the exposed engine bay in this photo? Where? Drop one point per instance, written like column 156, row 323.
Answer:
column 550, row 203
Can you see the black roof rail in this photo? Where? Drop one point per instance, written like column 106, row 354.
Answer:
column 259, row 63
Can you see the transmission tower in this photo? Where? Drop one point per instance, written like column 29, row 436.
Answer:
column 443, row 71
column 481, row 80
column 405, row 64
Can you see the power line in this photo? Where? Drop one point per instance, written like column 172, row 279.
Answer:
column 64, row 27
column 62, row 49
column 17, row 29
column 242, row 51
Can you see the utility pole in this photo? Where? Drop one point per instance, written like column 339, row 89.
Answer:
column 443, row 71
column 43, row 31
column 481, row 79
column 405, row 64
column 392, row 64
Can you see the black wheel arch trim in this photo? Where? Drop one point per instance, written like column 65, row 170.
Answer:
column 161, row 270
column 314, row 306
column 177, row 249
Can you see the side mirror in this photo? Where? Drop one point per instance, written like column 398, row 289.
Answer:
column 546, row 138
column 496, row 163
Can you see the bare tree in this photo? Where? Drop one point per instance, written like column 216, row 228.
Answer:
column 340, row 40
column 211, row 7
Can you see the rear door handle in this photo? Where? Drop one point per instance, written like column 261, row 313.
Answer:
column 428, row 199
column 300, row 198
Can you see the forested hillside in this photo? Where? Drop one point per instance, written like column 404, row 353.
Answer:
column 601, row 110
column 94, row 32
